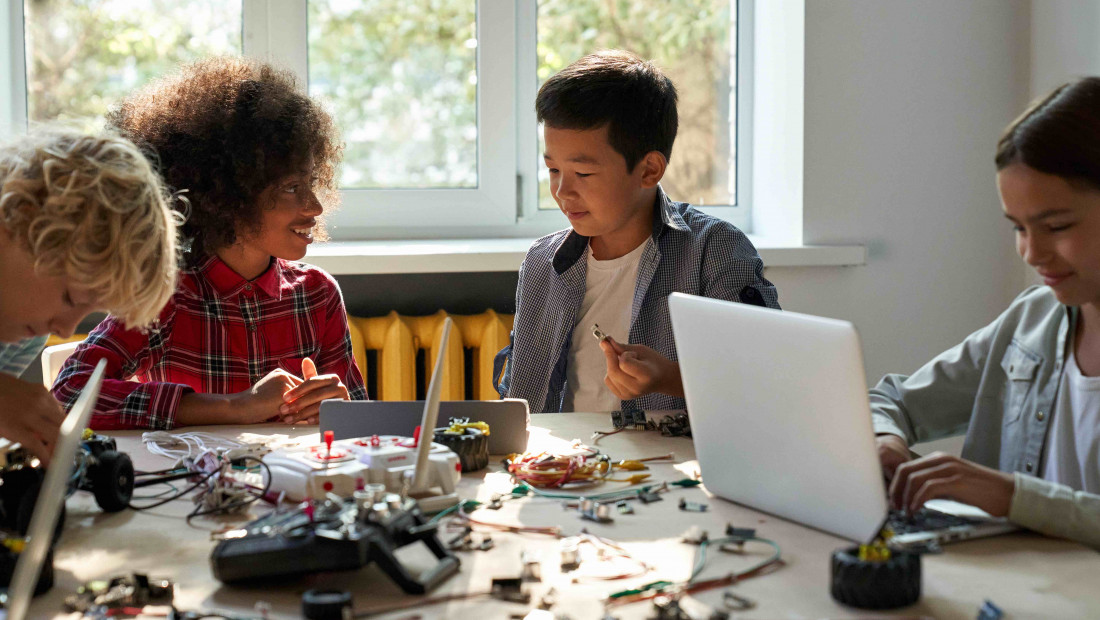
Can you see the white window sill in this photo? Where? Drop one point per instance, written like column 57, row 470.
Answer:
column 475, row 255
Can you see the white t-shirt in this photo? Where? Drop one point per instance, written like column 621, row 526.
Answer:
column 608, row 296
column 1072, row 452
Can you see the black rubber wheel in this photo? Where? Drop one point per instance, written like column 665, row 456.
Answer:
column 18, row 484
column 875, row 585
column 25, row 510
column 472, row 447
column 45, row 576
column 113, row 481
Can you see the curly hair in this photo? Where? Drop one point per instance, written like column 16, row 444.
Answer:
column 224, row 129
column 93, row 209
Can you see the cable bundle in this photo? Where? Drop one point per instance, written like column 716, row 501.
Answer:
column 586, row 467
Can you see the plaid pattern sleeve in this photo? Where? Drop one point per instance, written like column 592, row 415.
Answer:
column 688, row 252
column 15, row 357
column 219, row 335
column 122, row 403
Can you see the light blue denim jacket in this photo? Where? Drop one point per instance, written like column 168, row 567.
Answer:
column 999, row 387
column 15, row 357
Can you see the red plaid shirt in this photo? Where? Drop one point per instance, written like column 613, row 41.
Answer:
column 219, row 334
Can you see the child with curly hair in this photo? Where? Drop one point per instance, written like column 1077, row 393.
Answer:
column 84, row 225
column 250, row 335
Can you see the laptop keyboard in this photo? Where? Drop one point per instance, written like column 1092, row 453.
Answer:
column 924, row 520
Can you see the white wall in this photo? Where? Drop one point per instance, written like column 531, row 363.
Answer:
column 1065, row 42
column 904, row 102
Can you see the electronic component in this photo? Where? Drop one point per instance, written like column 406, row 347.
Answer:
column 598, row 333
column 687, row 506
column 509, row 589
column 740, row 532
column 134, row 591
column 341, row 467
column 694, row 536
column 630, row 419
column 465, row 541
column 675, row 425
column 326, row 604
column 532, row 565
column 334, row 534
column 570, row 554
column 594, row 511
column 469, row 440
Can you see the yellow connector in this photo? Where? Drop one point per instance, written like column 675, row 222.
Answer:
column 874, row 552
column 459, row 428
column 634, row 479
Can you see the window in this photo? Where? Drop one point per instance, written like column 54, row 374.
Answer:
column 82, row 55
column 434, row 98
column 695, row 44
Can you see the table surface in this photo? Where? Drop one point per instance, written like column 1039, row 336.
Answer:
column 1025, row 574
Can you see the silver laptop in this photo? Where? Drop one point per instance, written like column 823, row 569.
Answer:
column 507, row 419
column 51, row 497
column 781, row 421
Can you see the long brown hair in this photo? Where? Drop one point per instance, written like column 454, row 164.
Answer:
column 1058, row 134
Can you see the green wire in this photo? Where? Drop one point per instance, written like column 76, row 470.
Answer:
column 469, row 504
column 701, row 557
column 524, row 488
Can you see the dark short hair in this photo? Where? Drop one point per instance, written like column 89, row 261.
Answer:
column 618, row 89
column 225, row 129
column 1059, row 134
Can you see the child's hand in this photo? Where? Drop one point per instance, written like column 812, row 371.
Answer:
column 302, row 404
column 634, row 370
column 261, row 402
column 942, row 476
column 892, row 452
column 31, row 416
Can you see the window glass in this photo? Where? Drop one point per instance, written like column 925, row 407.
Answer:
column 401, row 77
column 695, row 43
column 83, row 55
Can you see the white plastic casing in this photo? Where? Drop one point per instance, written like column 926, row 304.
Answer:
column 312, row 471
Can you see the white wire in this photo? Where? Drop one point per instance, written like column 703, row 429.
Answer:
column 180, row 446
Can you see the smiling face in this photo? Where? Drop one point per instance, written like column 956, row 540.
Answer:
column 603, row 200
column 1057, row 226
column 32, row 304
column 289, row 218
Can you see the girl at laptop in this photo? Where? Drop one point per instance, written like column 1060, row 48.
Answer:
column 250, row 335
column 1025, row 388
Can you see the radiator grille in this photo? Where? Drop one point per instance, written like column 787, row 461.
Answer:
column 395, row 342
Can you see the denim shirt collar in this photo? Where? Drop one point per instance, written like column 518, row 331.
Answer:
column 573, row 245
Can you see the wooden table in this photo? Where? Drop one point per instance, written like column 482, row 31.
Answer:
column 1025, row 574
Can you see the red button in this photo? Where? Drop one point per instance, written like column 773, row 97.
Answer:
column 327, row 486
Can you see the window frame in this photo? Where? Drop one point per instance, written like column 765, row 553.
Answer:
column 547, row 221
column 505, row 202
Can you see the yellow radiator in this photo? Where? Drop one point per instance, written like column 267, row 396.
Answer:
column 396, row 339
